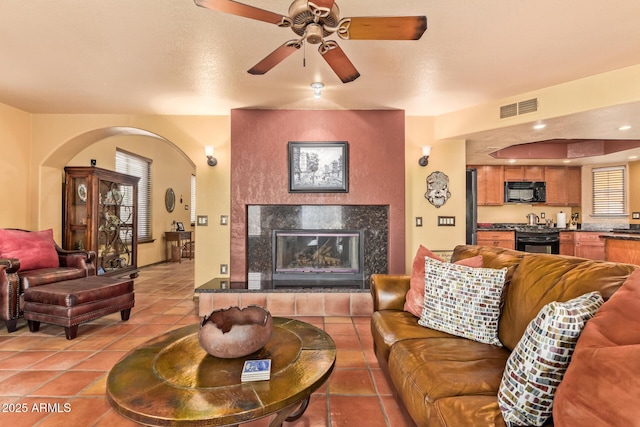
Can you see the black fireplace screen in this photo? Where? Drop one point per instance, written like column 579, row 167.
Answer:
column 324, row 252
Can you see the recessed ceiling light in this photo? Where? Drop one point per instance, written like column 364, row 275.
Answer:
column 512, row 160
column 566, row 161
column 633, row 157
column 625, row 127
column 539, row 126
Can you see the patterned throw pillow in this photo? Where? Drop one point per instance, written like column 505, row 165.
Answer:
column 463, row 301
column 538, row 363
column 415, row 296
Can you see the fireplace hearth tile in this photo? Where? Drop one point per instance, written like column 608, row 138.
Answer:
column 247, row 299
column 282, row 304
column 337, row 304
column 310, row 304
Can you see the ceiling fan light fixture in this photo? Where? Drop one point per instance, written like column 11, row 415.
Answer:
column 314, row 34
column 317, row 89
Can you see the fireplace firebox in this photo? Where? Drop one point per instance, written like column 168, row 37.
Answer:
column 318, row 255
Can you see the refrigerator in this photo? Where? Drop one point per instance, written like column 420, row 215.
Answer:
column 472, row 206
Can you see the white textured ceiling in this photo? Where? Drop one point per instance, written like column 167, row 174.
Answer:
column 172, row 57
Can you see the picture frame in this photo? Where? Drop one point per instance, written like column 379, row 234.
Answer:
column 318, row 167
column 179, row 226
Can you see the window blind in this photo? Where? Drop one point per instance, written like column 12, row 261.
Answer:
column 193, row 199
column 609, row 191
column 132, row 164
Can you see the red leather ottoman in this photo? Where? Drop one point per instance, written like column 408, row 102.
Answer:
column 72, row 302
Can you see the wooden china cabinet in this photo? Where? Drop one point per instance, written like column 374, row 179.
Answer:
column 100, row 214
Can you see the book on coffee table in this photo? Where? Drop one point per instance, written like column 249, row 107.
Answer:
column 256, row 370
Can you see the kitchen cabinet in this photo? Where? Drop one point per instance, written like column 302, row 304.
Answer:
column 524, row 173
column 621, row 249
column 589, row 244
column 100, row 215
column 574, row 186
column 490, row 182
column 567, row 243
column 563, row 185
column 501, row 239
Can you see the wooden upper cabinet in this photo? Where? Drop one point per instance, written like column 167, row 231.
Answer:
column 490, row 180
column 574, row 186
column 524, row 173
column 563, row 185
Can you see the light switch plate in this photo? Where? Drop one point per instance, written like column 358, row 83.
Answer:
column 635, row 215
column 224, row 268
column 418, row 221
column 224, row 220
column 446, row 221
column 202, row 220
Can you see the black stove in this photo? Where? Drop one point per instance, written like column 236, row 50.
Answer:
column 537, row 239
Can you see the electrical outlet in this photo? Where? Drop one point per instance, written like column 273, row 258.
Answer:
column 542, row 215
column 224, row 268
column 224, row 220
column 418, row 221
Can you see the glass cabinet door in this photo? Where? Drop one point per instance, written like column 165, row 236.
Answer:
column 78, row 214
column 115, row 226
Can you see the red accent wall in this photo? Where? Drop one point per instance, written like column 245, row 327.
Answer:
column 259, row 169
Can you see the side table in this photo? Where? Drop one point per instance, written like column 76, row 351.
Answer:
column 178, row 237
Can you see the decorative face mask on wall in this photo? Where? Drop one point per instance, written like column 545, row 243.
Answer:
column 437, row 189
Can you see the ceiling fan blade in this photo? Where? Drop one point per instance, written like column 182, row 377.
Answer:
column 338, row 61
column 275, row 57
column 239, row 9
column 327, row 4
column 382, row 28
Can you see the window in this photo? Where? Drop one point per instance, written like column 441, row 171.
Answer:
column 193, row 200
column 609, row 191
column 132, row 164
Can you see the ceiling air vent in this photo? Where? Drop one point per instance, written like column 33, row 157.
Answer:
column 528, row 106
column 508, row 111
column 522, row 107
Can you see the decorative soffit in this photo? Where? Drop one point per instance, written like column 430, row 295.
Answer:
column 565, row 148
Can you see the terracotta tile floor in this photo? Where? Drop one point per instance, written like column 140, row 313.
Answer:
column 62, row 383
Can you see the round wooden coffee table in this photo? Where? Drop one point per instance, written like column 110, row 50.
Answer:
column 172, row 381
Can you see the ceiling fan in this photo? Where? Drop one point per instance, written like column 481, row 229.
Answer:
column 315, row 20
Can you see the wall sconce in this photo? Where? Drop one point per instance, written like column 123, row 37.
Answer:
column 424, row 160
column 317, row 89
column 211, row 161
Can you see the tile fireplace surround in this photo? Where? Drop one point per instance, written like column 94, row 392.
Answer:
column 262, row 220
column 312, row 297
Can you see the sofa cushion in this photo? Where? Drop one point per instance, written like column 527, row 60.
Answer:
column 541, row 279
column 537, row 364
column 425, row 370
column 605, row 368
column 390, row 326
column 415, row 295
column 463, row 301
column 34, row 249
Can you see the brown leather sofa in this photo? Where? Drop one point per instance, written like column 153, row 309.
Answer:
column 445, row 380
column 14, row 279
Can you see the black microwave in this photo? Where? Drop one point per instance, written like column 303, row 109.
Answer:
column 525, row 192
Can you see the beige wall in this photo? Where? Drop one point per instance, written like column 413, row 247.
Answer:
column 37, row 147
column 447, row 156
column 634, row 188
column 169, row 169
column 15, row 167
column 58, row 139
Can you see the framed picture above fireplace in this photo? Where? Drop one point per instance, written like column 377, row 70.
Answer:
column 318, row 167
